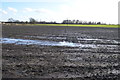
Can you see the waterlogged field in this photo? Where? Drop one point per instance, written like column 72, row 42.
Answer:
column 44, row 52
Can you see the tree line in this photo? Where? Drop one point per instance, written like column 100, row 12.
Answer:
column 34, row 21
column 79, row 22
column 31, row 21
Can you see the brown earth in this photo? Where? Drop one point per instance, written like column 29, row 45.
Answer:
column 41, row 62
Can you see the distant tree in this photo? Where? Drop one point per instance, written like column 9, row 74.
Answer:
column 77, row 21
column 74, row 21
column 90, row 22
column 11, row 20
column 32, row 20
column 65, row 22
column 98, row 22
column 26, row 22
column 69, row 21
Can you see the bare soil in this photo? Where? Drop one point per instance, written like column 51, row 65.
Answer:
column 61, row 62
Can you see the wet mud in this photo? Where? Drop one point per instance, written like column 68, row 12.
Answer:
column 44, row 52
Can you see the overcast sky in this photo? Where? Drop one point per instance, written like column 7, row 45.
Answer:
column 57, row 10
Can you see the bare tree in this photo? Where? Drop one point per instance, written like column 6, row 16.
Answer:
column 11, row 20
column 32, row 20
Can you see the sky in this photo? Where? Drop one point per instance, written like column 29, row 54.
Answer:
column 105, row 11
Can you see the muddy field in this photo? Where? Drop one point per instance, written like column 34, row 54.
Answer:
column 44, row 52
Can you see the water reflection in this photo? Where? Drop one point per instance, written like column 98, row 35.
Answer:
column 36, row 42
column 49, row 43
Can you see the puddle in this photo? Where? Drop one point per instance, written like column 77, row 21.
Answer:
column 49, row 43
column 37, row 42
